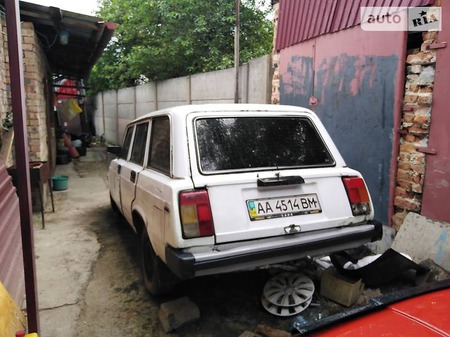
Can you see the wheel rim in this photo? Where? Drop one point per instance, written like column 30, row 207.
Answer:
column 287, row 294
column 284, row 311
column 289, row 289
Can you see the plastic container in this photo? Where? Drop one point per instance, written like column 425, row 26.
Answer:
column 60, row 183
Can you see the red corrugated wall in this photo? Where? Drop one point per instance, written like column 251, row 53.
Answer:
column 301, row 20
column 11, row 260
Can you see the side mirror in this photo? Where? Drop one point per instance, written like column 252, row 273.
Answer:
column 114, row 149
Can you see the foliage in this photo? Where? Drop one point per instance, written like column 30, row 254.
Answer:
column 161, row 39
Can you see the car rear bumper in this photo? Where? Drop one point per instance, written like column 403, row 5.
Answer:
column 189, row 263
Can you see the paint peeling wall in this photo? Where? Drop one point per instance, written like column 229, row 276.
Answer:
column 353, row 77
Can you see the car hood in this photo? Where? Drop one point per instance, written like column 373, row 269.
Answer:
column 423, row 315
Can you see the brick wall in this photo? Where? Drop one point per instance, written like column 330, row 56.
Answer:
column 414, row 129
column 34, row 79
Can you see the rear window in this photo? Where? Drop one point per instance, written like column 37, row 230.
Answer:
column 244, row 143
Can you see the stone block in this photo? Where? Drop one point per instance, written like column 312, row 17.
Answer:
column 249, row 334
column 270, row 332
column 339, row 288
column 421, row 58
column 414, row 69
column 423, row 238
column 425, row 99
column 406, row 203
column 177, row 313
column 426, row 76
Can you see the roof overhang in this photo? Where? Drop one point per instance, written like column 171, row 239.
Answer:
column 87, row 36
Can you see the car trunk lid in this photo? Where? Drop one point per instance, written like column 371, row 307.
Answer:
column 269, row 174
column 243, row 209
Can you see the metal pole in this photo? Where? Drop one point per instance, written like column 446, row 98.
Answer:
column 236, row 53
column 22, row 165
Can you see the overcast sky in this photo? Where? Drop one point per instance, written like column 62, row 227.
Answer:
column 87, row 7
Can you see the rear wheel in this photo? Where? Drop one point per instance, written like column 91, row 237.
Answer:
column 158, row 279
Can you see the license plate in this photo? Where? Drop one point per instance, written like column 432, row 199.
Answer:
column 260, row 209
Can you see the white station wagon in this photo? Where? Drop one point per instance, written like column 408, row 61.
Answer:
column 228, row 187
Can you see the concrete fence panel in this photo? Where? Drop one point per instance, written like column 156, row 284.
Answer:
column 173, row 92
column 213, row 87
column 98, row 116
column 145, row 99
column 116, row 108
column 260, row 80
column 126, row 108
column 110, row 116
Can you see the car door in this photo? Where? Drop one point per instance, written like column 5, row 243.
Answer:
column 153, row 194
column 129, row 172
column 115, row 168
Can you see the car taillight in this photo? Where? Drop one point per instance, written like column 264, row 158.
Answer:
column 357, row 195
column 195, row 213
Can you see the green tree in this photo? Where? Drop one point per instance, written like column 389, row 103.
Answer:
column 161, row 39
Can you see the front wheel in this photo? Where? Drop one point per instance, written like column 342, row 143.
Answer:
column 158, row 279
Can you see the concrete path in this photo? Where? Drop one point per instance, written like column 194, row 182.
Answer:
column 67, row 248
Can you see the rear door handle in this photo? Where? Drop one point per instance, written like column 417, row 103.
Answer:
column 133, row 176
column 281, row 181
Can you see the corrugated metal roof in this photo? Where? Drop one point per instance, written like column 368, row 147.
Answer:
column 300, row 20
column 88, row 36
column 11, row 261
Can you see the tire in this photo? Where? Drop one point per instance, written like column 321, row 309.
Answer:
column 114, row 206
column 158, row 279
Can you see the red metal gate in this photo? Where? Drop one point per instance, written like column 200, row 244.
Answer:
column 436, row 193
column 355, row 79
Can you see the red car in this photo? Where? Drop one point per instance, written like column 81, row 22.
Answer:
column 423, row 311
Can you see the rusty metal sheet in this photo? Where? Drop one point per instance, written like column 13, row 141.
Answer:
column 306, row 19
column 11, row 260
column 436, row 193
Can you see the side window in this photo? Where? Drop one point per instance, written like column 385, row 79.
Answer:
column 126, row 143
column 159, row 157
column 138, row 150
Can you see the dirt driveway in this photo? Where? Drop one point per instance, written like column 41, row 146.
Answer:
column 116, row 303
column 89, row 278
column 90, row 283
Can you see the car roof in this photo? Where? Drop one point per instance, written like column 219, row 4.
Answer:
column 184, row 110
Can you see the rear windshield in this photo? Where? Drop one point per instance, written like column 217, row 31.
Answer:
column 244, row 143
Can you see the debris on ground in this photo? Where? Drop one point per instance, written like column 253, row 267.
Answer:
column 265, row 331
column 346, row 283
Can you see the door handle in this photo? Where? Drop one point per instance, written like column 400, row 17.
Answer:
column 280, row 181
column 119, row 169
column 133, row 176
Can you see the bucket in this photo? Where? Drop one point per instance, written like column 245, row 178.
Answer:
column 60, row 183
